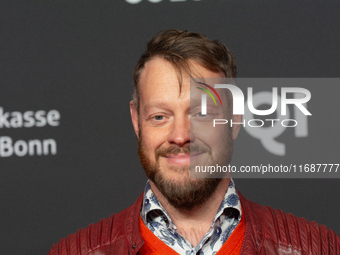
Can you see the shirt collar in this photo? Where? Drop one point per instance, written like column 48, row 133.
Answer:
column 230, row 200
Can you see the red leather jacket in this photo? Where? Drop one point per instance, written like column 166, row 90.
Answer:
column 267, row 231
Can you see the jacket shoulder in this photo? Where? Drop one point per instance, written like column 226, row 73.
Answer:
column 96, row 235
column 288, row 233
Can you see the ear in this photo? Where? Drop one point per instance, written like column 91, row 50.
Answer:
column 134, row 118
column 236, row 128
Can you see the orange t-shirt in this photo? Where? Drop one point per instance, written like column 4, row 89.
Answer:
column 154, row 246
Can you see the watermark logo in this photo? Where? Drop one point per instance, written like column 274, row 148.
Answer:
column 256, row 120
column 204, row 97
column 238, row 99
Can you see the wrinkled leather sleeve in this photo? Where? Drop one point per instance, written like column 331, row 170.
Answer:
column 273, row 232
column 85, row 240
column 116, row 235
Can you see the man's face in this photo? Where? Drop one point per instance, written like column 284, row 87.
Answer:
column 168, row 143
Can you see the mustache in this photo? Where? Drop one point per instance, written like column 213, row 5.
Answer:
column 175, row 149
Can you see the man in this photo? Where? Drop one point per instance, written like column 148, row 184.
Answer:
column 177, row 214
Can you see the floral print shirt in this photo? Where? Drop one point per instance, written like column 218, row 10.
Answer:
column 225, row 221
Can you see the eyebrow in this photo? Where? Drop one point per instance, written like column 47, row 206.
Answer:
column 158, row 104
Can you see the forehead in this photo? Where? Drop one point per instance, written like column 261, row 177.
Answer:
column 160, row 78
column 157, row 74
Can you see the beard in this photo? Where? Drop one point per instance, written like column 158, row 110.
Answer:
column 188, row 193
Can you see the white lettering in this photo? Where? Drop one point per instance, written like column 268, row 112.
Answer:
column 6, row 149
column 40, row 117
column 272, row 120
column 302, row 129
column 35, row 144
column 238, row 100
column 3, row 118
column 29, row 119
column 52, row 143
column 262, row 123
column 288, row 121
column 204, row 104
column 238, row 97
column 53, row 118
column 297, row 101
column 16, row 120
column 262, row 112
column 22, row 148
column 238, row 123
column 220, row 121
column 133, row 1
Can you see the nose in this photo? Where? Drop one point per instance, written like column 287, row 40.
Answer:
column 180, row 131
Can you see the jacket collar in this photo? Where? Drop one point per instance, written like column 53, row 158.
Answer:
column 252, row 234
column 131, row 225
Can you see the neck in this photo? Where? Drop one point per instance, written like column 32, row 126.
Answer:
column 194, row 224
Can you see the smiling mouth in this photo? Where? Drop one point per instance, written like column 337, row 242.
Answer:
column 181, row 158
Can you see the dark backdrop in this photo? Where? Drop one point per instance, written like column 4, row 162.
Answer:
column 76, row 57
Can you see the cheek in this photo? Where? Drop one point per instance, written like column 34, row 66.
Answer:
column 153, row 138
column 212, row 136
column 221, row 131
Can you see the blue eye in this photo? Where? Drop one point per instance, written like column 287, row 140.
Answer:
column 159, row 117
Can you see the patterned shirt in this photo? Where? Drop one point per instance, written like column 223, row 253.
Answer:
column 225, row 221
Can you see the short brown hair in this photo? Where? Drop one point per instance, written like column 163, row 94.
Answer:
column 178, row 47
